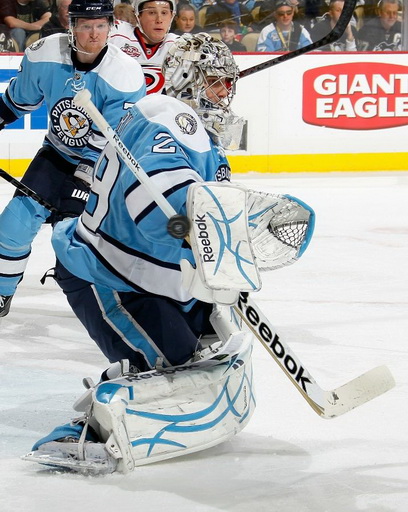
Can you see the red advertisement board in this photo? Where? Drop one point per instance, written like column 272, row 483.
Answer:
column 356, row 96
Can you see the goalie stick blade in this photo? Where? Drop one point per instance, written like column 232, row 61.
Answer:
column 327, row 404
column 357, row 392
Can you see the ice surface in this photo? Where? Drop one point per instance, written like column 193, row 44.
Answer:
column 343, row 308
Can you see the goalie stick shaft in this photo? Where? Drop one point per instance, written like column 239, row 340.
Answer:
column 83, row 99
column 333, row 35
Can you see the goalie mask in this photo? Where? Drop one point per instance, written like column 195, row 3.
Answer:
column 200, row 71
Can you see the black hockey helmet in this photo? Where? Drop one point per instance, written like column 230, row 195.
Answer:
column 91, row 9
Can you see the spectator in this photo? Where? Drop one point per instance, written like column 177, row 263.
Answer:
column 227, row 10
column 382, row 33
column 125, row 12
column 347, row 41
column 185, row 20
column 283, row 34
column 59, row 21
column 6, row 42
column 228, row 33
column 24, row 18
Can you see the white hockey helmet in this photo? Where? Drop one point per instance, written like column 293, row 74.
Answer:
column 137, row 3
column 190, row 61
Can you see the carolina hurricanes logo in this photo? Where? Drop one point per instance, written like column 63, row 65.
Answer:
column 70, row 123
column 132, row 51
column 154, row 79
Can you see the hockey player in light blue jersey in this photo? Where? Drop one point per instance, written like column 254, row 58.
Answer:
column 117, row 264
column 52, row 71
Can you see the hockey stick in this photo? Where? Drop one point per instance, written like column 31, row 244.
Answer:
column 328, row 404
column 333, row 35
column 27, row 191
column 178, row 225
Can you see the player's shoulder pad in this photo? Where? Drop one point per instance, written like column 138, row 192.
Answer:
column 53, row 48
column 171, row 38
column 122, row 28
column 176, row 117
column 121, row 71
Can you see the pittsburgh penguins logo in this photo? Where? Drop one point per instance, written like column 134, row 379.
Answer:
column 387, row 47
column 70, row 123
column 37, row 45
column 186, row 123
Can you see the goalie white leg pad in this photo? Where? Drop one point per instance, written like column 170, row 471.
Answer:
column 158, row 415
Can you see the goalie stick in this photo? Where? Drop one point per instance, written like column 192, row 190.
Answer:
column 333, row 35
column 327, row 404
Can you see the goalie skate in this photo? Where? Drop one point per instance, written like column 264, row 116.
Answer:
column 67, row 455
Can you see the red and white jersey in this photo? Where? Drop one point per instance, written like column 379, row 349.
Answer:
column 150, row 57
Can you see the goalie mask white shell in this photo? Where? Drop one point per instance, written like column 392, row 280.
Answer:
column 190, row 62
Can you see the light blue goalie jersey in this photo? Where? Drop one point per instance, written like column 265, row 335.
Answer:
column 121, row 239
column 50, row 73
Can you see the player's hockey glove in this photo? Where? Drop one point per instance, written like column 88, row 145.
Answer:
column 74, row 195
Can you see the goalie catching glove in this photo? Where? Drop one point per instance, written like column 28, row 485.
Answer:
column 238, row 232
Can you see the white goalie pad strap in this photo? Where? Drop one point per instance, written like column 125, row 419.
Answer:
column 181, row 410
column 219, row 237
column 280, row 227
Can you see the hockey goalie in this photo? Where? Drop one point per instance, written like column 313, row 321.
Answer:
column 160, row 308
column 135, row 418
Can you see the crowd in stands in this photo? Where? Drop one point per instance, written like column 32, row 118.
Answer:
column 244, row 25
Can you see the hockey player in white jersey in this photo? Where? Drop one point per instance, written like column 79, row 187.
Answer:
column 150, row 40
column 52, row 71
